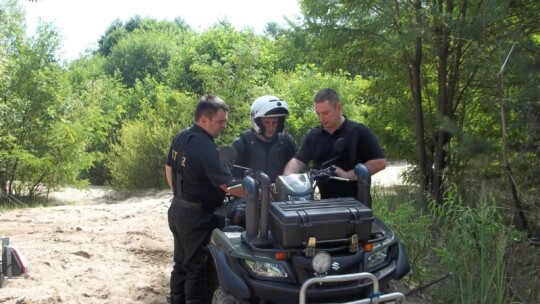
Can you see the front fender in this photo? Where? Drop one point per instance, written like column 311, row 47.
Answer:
column 229, row 281
column 403, row 267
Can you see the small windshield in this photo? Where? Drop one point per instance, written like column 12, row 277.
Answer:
column 296, row 181
column 293, row 185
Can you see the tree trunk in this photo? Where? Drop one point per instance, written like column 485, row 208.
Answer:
column 416, row 89
column 442, row 137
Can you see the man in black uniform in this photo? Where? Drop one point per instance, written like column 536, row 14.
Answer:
column 265, row 147
column 199, row 183
column 362, row 146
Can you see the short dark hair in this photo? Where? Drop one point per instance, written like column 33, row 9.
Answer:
column 327, row 94
column 209, row 105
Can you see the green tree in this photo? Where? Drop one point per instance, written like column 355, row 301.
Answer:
column 118, row 30
column 140, row 55
column 109, row 95
column 300, row 86
column 437, row 56
column 11, row 32
column 290, row 46
column 141, row 48
column 234, row 65
column 46, row 128
column 137, row 158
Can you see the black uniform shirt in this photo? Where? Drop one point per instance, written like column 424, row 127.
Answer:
column 318, row 147
column 195, row 156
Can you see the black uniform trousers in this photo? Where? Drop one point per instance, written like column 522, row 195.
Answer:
column 191, row 228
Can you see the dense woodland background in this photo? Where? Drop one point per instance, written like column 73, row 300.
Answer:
column 451, row 87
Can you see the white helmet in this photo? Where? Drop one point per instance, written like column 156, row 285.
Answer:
column 268, row 106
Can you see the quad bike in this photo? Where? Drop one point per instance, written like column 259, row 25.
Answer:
column 298, row 249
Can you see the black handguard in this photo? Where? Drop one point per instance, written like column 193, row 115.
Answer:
column 323, row 175
column 333, row 170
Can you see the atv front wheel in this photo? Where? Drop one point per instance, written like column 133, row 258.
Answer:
column 221, row 297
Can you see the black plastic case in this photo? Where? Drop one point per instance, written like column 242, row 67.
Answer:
column 292, row 223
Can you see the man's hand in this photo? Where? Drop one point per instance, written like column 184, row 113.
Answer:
column 294, row 166
column 344, row 174
column 236, row 190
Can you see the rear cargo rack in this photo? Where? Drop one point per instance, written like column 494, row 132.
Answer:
column 375, row 297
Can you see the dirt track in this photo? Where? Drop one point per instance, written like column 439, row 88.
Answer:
column 99, row 253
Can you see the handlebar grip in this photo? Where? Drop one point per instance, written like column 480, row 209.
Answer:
column 234, row 187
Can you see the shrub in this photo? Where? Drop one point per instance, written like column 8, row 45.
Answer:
column 137, row 161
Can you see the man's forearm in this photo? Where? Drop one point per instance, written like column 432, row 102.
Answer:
column 168, row 174
column 293, row 166
column 375, row 165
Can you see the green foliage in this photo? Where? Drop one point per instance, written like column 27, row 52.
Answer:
column 138, row 161
column 117, row 31
column 290, row 47
column 141, row 48
column 237, row 58
column 137, row 158
column 398, row 207
column 44, row 131
column 488, row 260
column 473, row 237
column 109, row 96
column 12, row 30
column 141, row 54
column 300, row 86
column 432, row 66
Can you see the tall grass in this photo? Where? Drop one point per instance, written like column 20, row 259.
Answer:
column 470, row 240
column 398, row 208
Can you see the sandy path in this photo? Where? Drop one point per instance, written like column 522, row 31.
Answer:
column 100, row 253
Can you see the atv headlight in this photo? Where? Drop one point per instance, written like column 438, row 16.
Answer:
column 377, row 259
column 267, row 269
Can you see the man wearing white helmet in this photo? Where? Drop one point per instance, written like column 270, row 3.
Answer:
column 266, row 147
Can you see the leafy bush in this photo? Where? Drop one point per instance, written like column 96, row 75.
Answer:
column 487, row 260
column 398, row 208
column 137, row 161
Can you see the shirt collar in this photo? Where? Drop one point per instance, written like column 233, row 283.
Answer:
column 196, row 128
column 340, row 128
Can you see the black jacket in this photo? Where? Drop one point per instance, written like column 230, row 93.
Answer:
column 268, row 157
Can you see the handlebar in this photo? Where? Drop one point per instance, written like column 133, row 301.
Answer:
column 326, row 173
column 339, row 178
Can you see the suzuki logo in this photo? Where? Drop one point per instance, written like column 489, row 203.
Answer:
column 335, row 266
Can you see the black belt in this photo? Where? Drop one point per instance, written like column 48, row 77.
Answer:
column 187, row 204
